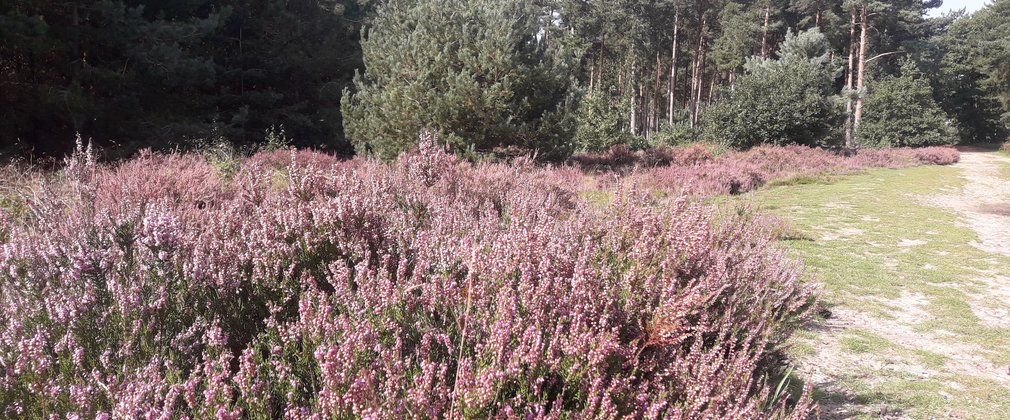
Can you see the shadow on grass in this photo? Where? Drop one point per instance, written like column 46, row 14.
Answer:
column 836, row 405
column 834, row 398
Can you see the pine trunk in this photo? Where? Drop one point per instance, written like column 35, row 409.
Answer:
column 599, row 62
column 634, row 105
column 673, row 69
column 764, row 35
column 849, row 78
column 861, row 81
column 711, row 89
column 656, row 96
column 696, row 82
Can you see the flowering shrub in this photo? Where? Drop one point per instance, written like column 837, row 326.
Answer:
column 739, row 172
column 620, row 157
column 425, row 288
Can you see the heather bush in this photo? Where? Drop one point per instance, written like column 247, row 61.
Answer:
column 738, row 172
column 619, row 157
column 423, row 288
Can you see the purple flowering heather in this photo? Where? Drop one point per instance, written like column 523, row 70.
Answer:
column 424, row 288
column 695, row 171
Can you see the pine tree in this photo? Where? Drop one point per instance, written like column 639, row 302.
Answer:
column 470, row 70
column 737, row 41
column 975, row 77
column 785, row 101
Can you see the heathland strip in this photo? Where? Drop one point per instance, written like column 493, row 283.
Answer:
column 293, row 283
column 916, row 289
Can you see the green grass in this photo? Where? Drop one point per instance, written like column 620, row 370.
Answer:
column 874, row 240
column 858, row 341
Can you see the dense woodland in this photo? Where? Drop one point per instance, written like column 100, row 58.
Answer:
column 503, row 76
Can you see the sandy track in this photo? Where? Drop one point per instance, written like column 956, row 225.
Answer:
column 983, row 205
column 984, row 202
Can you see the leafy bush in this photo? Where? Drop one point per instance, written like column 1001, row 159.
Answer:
column 600, row 123
column 784, row 101
column 676, row 134
column 427, row 287
column 900, row 112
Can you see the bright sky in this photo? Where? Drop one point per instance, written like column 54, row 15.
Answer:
column 948, row 5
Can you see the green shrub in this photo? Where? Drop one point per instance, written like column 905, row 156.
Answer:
column 599, row 123
column 784, row 101
column 676, row 134
column 901, row 112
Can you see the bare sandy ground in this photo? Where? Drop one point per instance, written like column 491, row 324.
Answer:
column 983, row 204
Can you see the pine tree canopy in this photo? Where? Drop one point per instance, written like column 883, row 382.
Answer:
column 474, row 71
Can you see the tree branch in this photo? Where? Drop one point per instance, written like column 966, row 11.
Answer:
column 884, row 54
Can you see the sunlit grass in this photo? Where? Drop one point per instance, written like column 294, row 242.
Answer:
column 875, row 239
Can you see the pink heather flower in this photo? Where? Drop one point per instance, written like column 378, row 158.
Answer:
column 426, row 287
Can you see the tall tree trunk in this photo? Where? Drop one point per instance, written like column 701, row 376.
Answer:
column 817, row 18
column 646, row 114
column 699, row 65
column 711, row 89
column 694, row 87
column 764, row 35
column 861, row 81
column 634, row 99
column 656, row 95
column 849, row 77
column 77, row 63
column 697, row 100
column 673, row 68
column 599, row 62
column 547, row 29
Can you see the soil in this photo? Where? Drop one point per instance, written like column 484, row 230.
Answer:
column 984, row 202
column 983, row 205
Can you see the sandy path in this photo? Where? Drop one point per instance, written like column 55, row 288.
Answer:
column 982, row 204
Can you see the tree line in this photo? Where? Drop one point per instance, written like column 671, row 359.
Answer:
column 502, row 76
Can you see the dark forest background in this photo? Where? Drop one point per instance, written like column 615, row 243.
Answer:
column 555, row 76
